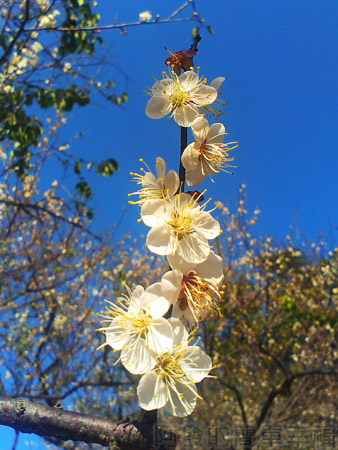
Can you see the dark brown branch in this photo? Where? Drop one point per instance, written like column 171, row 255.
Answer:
column 184, row 143
column 238, row 397
column 29, row 417
column 38, row 208
column 171, row 18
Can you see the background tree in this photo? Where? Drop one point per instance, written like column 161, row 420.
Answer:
column 275, row 346
column 55, row 272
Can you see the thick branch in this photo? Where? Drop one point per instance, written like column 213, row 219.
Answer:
column 29, row 417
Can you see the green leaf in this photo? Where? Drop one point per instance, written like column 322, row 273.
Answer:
column 84, row 189
column 77, row 167
column 210, row 29
column 194, row 32
column 107, row 167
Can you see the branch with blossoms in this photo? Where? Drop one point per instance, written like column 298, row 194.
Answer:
column 154, row 327
column 145, row 18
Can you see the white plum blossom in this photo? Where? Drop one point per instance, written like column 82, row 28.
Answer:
column 138, row 329
column 208, row 154
column 171, row 382
column 180, row 226
column 217, row 108
column 164, row 186
column 193, row 289
column 180, row 95
column 145, row 16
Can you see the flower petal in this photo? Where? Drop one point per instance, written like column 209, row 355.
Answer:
column 171, row 285
column 152, row 212
column 161, row 168
column 116, row 335
column 161, row 241
column 200, row 129
column 154, row 302
column 171, row 182
column 189, row 80
column 196, row 363
column 152, row 392
column 160, row 335
column 208, row 226
column 211, row 268
column 194, row 177
column 158, row 106
column 204, row 95
column 190, row 156
column 193, row 248
column 176, row 262
column 181, row 334
column 217, row 82
column 216, row 133
column 186, row 114
column 137, row 357
column 184, row 403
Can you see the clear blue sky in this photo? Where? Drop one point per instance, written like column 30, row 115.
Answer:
column 280, row 63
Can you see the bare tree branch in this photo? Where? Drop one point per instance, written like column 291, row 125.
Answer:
column 29, row 417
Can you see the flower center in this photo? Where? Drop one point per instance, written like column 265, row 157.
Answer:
column 169, row 366
column 199, row 294
column 181, row 224
column 179, row 97
column 137, row 323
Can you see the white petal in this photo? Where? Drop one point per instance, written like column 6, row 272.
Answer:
column 152, row 212
column 161, row 168
column 183, row 405
column 152, row 392
column 194, row 248
column 154, row 302
column 216, row 133
column 134, row 306
column 208, row 226
column 171, row 285
column 194, row 177
column 172, row 182
column 166, row 84
column 160, row 336
column 190, row 156
column 149, row 179
column 161, row 241
column 200, row 129
column 158, row 107
column 217, row 82
column 176, row 262
column 189, row 316
column 211, row 268
column 137, row 357
column 138, row 291
column 196, row 363
column 177, row 311
column 116, row 336
column 189, row 80
column 204, row 95
column 181, row 334
column 186, row 114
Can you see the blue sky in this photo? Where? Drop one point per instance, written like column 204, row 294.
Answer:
column 279, row 60
column 280, row 63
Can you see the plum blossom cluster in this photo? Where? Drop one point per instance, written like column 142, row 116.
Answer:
column 152, row 326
